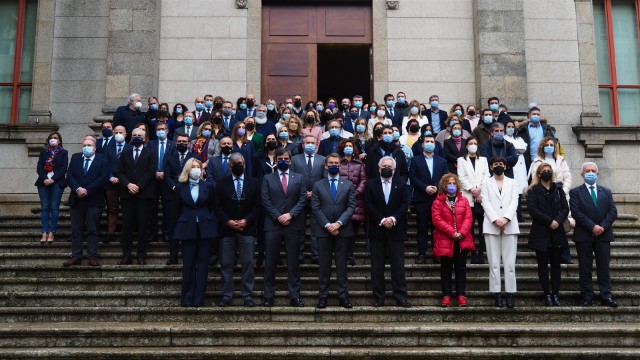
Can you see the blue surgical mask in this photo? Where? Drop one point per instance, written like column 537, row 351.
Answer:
column 590, row 178
column 415, row 110
column 178, row 110
column 549, row 149
column 494, row 107
column 535, row 119
column 427, row 133
column 360, row 128
column 243, row 106
column 333, row 169
column 309, row 149
column 358, row 104
column 161, row 134
column 388, row 138
column 87, row 151
column 434, row 104
column 456, row 133
column 401, row 100
column 153, row 107
column 188, row 121
column 348, row 151
column 498, row 136
column 199, row 106
column 353, row 115
column 319, row 107
column 390, row 103
column 208, row 104
column 510, row 131
column 429, row 147
column 206, row 133
column 334, row 132
column 396, row 135
column 284, row 136
column 458, row 112
column 286, row 116
column 271, row 107
column 372, row 109
column 453, row 122
column 488, row 119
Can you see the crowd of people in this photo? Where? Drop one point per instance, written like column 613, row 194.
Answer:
column 238, row 179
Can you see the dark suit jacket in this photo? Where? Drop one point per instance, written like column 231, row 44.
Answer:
column 451, row 153
column 299, row 165
column 443, row 118
column 186, row 224
column 587, row 215
column 397, row 117
column 170, row 147
column 204, row 117
column 59, row 171
column 229, row 207
column 275, row 202
column 142, row 174
column 183, row 130
column 374, row 155
column 214, row 169
column 172, row 168
column 326, row 210
column 326, row 145
column 377, row 209
column 523, row 132
column 95, row 180
column 111, row 154
column 421, row 177
column 489, row 151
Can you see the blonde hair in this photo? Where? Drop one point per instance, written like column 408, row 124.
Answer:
column 184, row 175
column 535, row 178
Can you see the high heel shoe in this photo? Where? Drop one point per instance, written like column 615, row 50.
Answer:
column 498, row 297
column 50, row 237
column 44, row 238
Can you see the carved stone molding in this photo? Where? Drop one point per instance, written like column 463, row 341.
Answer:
column 34, row 135
column 595, row 137
column 393, row 5
column 241, row 4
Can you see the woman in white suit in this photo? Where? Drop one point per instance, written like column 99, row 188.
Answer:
column 473, row 171
column 500, row 202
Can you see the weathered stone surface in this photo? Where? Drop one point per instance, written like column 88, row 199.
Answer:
column 85, row 27
column 79, row 48
column 78, row 69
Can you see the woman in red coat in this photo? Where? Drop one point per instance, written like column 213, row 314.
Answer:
column 353, row 169
column 452, row 237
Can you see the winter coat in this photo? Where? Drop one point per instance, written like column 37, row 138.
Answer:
column 545, row 206
column 355, row 172
column 443, row 223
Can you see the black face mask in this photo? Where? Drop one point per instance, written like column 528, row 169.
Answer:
column 377, row 132
column 217, row 120
column 414, row 128
column 217, row 105
column 164, row 113
column 297, row 103
column 386, row 173
column 310, row 119
column 545, row 175
column 344, row 107
column 182, row 147
column 250, row 126
column 237, row 169
column 271, row 145
column 498, row 170
column 250, row 103
column 226, row 150
column 471, row 112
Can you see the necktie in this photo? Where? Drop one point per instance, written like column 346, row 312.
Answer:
column 225, row 164
column 593, row 195
column 135, row 157
column 181, row 160
column 284, row 182
column 386, row 192
column 119, row 151
column 334, row 189
column 309, row 165
column 161, row 156
column 226, row 122
column 198, row 115
column 238, row 188
column 86, row 166
column 391, row 112
column 188, row 132
column 105, row 141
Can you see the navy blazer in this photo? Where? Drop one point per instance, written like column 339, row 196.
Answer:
column 95, row 180
column 229, row 207
column 397, row 117
column 451, row 153
column 201, row 210
column 142, row 174
column 276, row 202
column 214, row 169
column 111, row 154
column 170, row 147
column 348, row 125
column 377, row 209
column 327, row 210
column 326, row 145
column 587, row 215
column 489, row 151
column 443, row 119
column 172, row 168
column 421, row 177
column 374, row 155
column 59, row 171
column 418, row 148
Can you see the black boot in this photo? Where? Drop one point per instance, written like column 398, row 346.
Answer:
column 555, row 300
column 547, row 300
column 474, row 257
column 509, row 301
column 498, row 300
column 480, row 257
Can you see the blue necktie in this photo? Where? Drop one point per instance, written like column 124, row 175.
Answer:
column 161, row 156
column 238, row 188
column 119, row 151
column 225, row 164
column 334, row 189
column 226, row 123
column 86, row 166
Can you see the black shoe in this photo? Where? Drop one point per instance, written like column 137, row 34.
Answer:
column 165, row 238
column 267, row 302
column 421, row 259
column 281, row 263
column 566, row 261
column 224, row 303
column 498, row 297
column 548, row 301
column 404, row 303
column 480, row 257
column 378, row 303
column 555, row 299
column 609, row 302
column 259, row 261
column 586, row 301
column 474, row 257
column 152, row 238
column 248, row 302
column 172, row 261
column 213, row 260
column 345, row 303
column 315, row 261
column 509, row 301
column 436, row 260
column 351, row 261
column 108, row 239
column 322, row 303
column 296, row 303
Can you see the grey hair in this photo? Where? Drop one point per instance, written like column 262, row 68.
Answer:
column 133, row 96
column 137, row 130
column 587, row 163
column 393, row 161
column 261, row 106
column 92, row 138
column 235, row 157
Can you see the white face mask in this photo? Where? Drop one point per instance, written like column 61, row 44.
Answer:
column 472, row 148
column 138, row 105
column 53, row 142
column 195, row 173
column 119, row 138
column 380, row 113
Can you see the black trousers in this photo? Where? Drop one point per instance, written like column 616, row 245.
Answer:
column 164, row 195
column 84, row 218
column 425, row 225
column 170, row 221
column 552, row 255
column 195, row 255
column 327, row 247
column 602, row 251
column 447, row 265
column 478, row 216
column 135, row 213
column 379, row 250
column 272, row 242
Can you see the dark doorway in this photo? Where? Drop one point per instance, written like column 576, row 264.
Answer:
column 343, row 71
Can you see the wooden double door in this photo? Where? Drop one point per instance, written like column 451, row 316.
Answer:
column 292, row 36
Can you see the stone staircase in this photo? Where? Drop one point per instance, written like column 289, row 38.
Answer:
column 133, row 312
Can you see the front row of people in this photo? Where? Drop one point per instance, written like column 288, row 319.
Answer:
column 229, row 210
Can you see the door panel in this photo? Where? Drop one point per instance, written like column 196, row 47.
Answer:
column 289, row 69
column 289, row 24
column 344, row 25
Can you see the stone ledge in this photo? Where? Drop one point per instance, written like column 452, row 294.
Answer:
column 595, row 137
column 34, row 135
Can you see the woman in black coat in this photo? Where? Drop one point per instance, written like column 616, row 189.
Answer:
column 195, row 228
column 548, row 207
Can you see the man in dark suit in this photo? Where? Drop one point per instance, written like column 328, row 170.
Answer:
column 425, row 173
column 330, row 144
column 107, row 136
column 358, row 103
column 386, row 147
column 533, row 132
column 173, row 165
column 87, row 174
column 284, row 194
column 237, row 202
column 189, row 128
column 218, row 166
column 160, row 147
column 497, row 146
column 136, row 172
column 594, row 211
column 200, row 115
column 333, row 204
column 129, row 115
column 392, row 112
column 241, row 114
column 385, row 199
column 437, row 118
column 311, row 167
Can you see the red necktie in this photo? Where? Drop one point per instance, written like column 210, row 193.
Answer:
column 284, row 182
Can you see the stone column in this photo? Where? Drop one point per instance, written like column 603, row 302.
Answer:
column 501, row 67
column 40, row 112
column 380, row 48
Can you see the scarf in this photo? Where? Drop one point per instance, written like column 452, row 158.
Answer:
column 49, row 164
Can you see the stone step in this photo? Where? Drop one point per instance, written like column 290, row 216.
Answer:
column 526, row 315
column 335, row 335
column 529, row 298
column 309, row 283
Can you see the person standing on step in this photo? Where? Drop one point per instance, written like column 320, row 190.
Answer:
column 51, row 169
column 236, row 207
column 548, row 207
column 452, row 236
column 594, row 211
column 87, row 176
column 386, row 202
column 162, row 147
column 195, row 229
column 333, row 203
column 284, row 194
column 112, row 151
column 501, row 229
